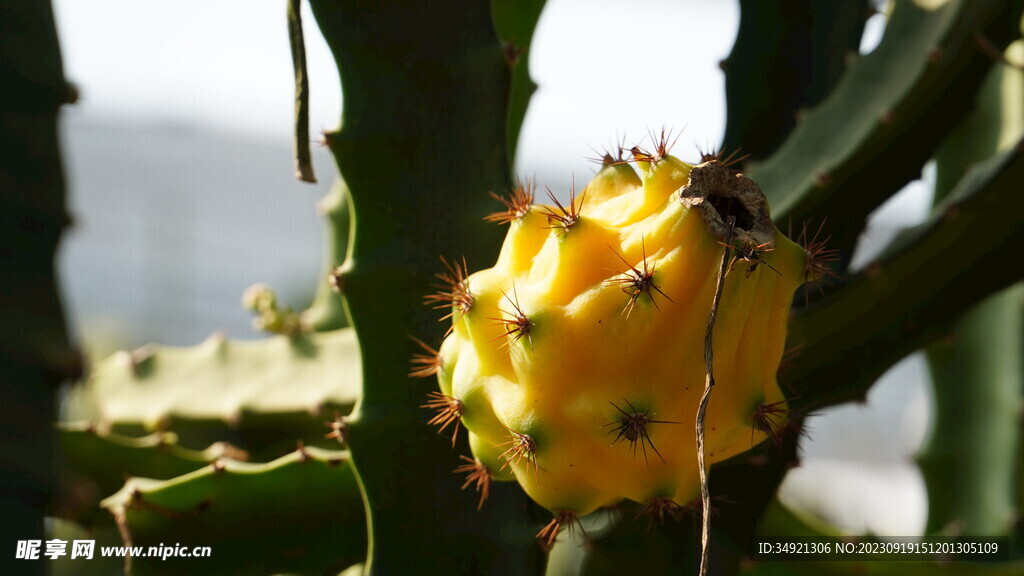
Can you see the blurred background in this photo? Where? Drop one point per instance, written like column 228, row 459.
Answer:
column 180, row 181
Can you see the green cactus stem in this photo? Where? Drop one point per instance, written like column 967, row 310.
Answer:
column 787, row 57
column 424, row 137
column 262, row 394
column 969, row 462
column 301, row 514
column 515, row 21
column 107, row 458
column 901, row 300
column 35, row 353
column 885, row 117
column 327, row 311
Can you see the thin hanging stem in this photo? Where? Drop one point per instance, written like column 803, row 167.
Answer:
column 709, row 383
column 303, row 161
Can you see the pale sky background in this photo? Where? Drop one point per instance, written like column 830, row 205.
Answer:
column 228, row 67
column 169, row 87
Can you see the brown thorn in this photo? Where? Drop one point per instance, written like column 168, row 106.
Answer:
column 610, row 156
column 565, row 216
column 633, row 428
column 767, row 418
column 989, row 48
column 549, row 533
column 336, row 280
column 751, row 254
column 477, row 473
column 339, row 429
column 641, row 155
column 453, row 291
column 518, row 326
column 657, row 508
column 520, row 446
column 517, row 204
column 728, row 162
column 300, row 448
column 640, row 282
column 819, row 259
column 512, row 53
column 448, row 409
column 662, row 147
column 424, row 365
column 137, row 502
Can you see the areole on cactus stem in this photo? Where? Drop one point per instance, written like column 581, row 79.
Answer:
column 576, row 363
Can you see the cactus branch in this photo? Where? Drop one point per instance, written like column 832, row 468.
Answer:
column 515, row 21
column 107, row 457
column 265, row 389
column 794, row 50
column 886, row 116
column 969, row 463
column 908, row 288
column 302, row 512
column 327, row 312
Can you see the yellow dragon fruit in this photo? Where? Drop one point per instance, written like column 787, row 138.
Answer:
column 576, row 363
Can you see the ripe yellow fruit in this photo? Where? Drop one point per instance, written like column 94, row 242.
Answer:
column 576, row 363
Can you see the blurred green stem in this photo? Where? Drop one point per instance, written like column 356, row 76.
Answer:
column 35, row 355
column 969, row 463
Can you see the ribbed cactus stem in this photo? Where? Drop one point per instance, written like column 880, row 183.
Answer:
column 515, row 21
column 327, row 312
column 969, row 463
column 423, row 139
column 35, row 355
column 907, row 94
column 795, row 50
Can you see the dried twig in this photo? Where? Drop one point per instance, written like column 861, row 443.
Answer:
column 709, row 383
